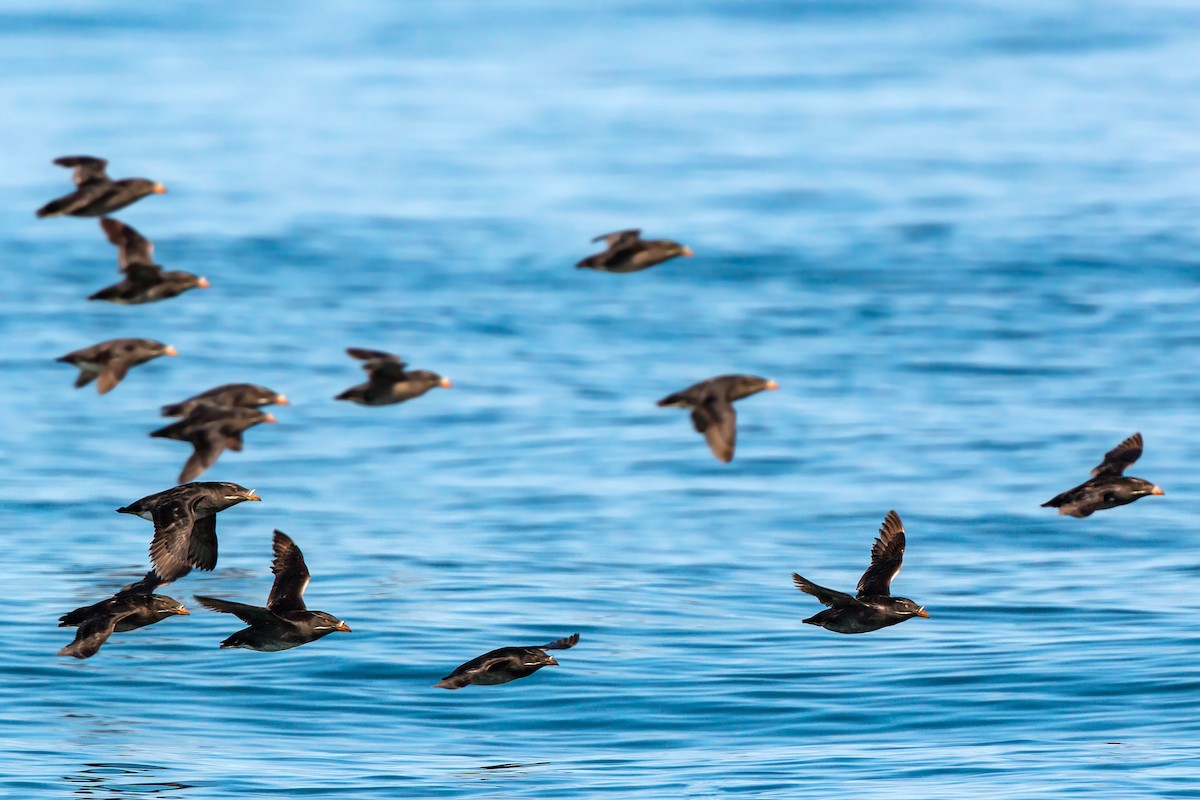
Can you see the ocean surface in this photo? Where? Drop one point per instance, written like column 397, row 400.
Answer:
column 964, row 237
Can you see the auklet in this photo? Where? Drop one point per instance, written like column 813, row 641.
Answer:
column 874, row 607
column 95, row 193
column 234, row 395
column 388, row 380
column 285, row 622
column 505, row 664
column 711, row 404
column 210, row 429
column 111, row 360
column 629, row 252
column 145, row 281
column 185, row 525
column 1109, row 487
column 133, row 606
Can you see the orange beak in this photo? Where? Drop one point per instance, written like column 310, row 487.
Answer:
column 202, row 283
column 772, row 385
column 170, row 351
column 183, row 611
column 551, row 662
column 1156, row 490
column 160, row 189
column 269, row 418
column 280, row 400
column 921, row 612
column 342, row 626
column 687, row 251
column 445, row 383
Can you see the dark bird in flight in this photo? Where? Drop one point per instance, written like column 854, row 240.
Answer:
column 134, row 606
column 873, row 607
column 388, row 380
column 144, row 281
column 234, row 395
column 711, row 404
column 629, row 252
column 285, row 622
column 95, row 193
column 210, row 429
column 111, row 360
column 504, row 665
column 1108, row 487
column 185, row 524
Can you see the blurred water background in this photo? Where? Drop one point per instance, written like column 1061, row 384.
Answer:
column 962, row 236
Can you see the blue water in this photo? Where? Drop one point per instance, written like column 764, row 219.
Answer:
column 962, row 236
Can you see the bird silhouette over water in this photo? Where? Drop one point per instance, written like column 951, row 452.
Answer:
column 144, row 281
column 629, row 252
column 285, row 622
column 211, row 429
column 95, row 193
column 1108, row 487
column 711, row 404
column 132, row 607
column 505, row 664
column 110, row 361
column 185, row 524
column 873, row 607
column 241, row 395
column 389, row 381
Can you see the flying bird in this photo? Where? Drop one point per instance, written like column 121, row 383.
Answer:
column 95, row 193
column 185, row 524
column 144, row 281
column 210, row 429
column 388, row 379
column 873, row 607
column 505, row 664
column 1108, row 487
column 234, row 395
column 711, row 404
column 132, row 607
column 285, row 622
column 629, row 252
column 110, row 361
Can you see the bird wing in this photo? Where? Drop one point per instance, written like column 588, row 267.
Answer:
column 620, row 238
column 291, row 576
column 561, row 644
column 113, row 372
column 251, row 615
column 132, row 247
column 828, row 597
column 87, row 168
column 175, row 528
column 146, row 585
column 464, row 673
column 1117, row 460
column 886, row 556
column 208, row 445
column 717, row 420
column 91, row 634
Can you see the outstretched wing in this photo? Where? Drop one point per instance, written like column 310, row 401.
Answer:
column 173, row 523
column 620, row 238
column 87, row 168
column 1121, row 457
column 828, row 597
column 251, row 615
column 379, row 364
column 291, row 576
column 886, row 555
column 91, row 634
column 208, row 444
column 562, row 644
column 132, row 247
column 717, row 420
